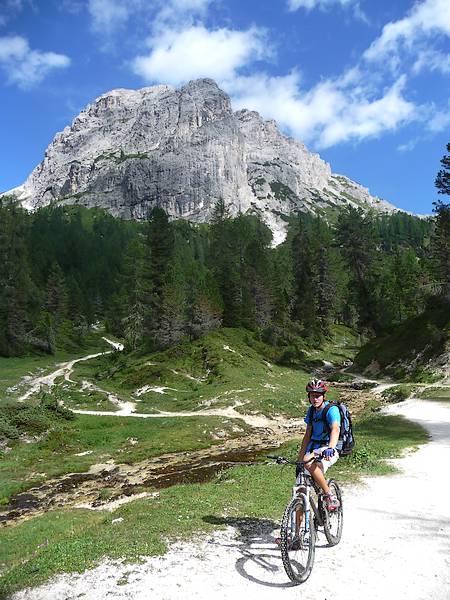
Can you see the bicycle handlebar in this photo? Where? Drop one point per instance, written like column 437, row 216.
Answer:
column 281, row 460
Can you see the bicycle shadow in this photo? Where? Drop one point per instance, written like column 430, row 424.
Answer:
column 260, row 560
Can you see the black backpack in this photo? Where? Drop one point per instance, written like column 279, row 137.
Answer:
column 346, row 437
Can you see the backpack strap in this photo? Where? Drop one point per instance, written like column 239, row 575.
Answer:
column 325, row 413
column 323, row 417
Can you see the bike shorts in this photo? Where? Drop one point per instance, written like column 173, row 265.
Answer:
column 324, row 464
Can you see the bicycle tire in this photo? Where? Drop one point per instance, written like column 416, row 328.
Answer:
column 334, row 521
column 298, row 563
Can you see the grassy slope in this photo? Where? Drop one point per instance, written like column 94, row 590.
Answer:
column 427, row 334
column 225, row 362
column 229, row 366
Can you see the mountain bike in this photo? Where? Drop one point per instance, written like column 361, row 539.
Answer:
column 304, row 514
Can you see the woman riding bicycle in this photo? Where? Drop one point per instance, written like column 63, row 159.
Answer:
column 321, row 437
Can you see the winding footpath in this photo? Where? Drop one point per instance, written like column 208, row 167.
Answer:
column 35, row 384
column 128, row 409
column 395, row 545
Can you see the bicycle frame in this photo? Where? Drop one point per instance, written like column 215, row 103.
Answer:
column 302, row 489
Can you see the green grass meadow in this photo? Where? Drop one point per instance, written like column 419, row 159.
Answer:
column 229, row 367
column 73, row 540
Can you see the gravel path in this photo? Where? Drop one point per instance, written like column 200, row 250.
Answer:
column 395, row 545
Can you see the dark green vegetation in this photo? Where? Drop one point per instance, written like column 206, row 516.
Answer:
column 73, row 540
column 58, row 267
column 404, row 353
column 157, row 283
column 398, row 393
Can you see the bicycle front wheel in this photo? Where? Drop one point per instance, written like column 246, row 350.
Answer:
column 334, row 520
column 298, row 542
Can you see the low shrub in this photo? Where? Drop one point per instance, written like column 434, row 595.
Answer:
column 18, row 419
column 340, row 377
column 397, row 393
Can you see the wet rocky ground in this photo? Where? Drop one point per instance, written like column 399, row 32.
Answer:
column 124, row 480
column 110, row 482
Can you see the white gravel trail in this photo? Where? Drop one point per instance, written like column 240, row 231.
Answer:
column 395, row 545
column 64, row 370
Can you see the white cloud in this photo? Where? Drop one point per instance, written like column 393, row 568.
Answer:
column 332, row 112
column 310, row 4
column 440, row 121
column 423, row 21
column 432, row 60
column 26, row 67
column 408, row 146
column 108, row 15
column 178, row 56
column 174, row 11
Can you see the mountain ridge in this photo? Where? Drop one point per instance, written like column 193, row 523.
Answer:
column 183, row 150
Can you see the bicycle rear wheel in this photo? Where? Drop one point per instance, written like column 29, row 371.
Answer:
column 334, row 520
column 297, row 543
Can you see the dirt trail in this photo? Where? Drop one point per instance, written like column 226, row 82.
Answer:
column 395, row 545
column 63, row 370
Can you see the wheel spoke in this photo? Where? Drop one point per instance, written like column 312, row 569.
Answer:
column 297, row 542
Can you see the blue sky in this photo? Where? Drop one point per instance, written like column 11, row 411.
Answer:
column 364, row 83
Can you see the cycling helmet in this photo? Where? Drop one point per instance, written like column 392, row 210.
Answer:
column 316, row 385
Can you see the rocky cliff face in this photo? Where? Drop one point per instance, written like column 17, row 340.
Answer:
column 183, row 150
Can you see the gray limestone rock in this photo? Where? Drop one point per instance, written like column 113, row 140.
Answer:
column 182, row 150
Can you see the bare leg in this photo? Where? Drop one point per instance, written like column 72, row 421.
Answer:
column 318, row 476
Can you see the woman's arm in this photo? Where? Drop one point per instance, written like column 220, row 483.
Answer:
column 334, row 435
column 305, row 441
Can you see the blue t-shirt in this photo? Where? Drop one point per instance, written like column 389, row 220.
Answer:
column 320, row 435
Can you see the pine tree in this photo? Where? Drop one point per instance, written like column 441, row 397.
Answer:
column 15, row 282
column 158, row 253
column 316, row 283
column 305, row 306
column 253, row 239
column 282, row 284
column 129, row 303
column 440, row 246
column 56, row 299
column 442, row 181
column 225, row 260
column 357, row 239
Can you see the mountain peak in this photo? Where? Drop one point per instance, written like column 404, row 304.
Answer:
column 184, row 149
